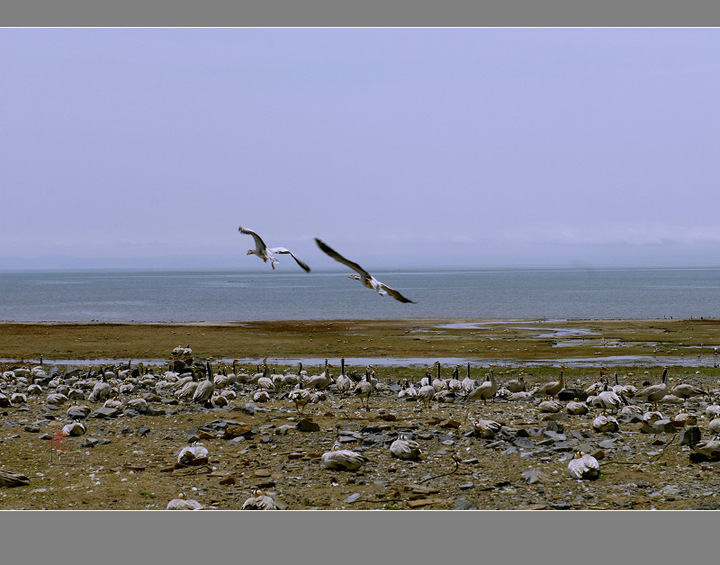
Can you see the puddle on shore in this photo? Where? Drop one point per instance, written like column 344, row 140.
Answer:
column 420, row 362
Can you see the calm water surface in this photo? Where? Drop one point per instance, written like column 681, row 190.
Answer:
column 222, row 296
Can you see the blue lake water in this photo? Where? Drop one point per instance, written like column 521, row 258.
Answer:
column 223, row 296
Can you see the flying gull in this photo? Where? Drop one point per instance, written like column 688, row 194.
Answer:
column 364, row 277
column 265, row 252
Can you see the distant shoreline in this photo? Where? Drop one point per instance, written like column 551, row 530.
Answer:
column 477, row 340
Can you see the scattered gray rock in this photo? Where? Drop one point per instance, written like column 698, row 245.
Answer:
column 664, row 426
column 306, row 425
column 464, row 504
column 106, row 412
column 690, row 436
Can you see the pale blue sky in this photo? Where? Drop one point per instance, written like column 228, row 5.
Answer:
column 397, row 147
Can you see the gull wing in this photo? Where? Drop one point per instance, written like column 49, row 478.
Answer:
column 335, row 255
column 288, row 252
column 259, row 243
column 395, row 294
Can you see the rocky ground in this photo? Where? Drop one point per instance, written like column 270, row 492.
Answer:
column 128, row 456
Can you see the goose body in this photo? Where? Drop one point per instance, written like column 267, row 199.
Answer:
column 268, row 253
column 259, row 501
column 363, row 389
column 654, row 393
column 485, row 390
column 182, row 502
column 552, row 388
column 576, row 408
column 486, row 428
column 363, row 276
column 343, row 460
column 584, row 466
column 605, row 423
column 205, row 389
column 404, row 448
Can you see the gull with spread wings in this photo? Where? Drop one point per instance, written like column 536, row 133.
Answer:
column 364, row 277
column 268, row 253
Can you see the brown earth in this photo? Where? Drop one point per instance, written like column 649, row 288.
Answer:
column 135, row 469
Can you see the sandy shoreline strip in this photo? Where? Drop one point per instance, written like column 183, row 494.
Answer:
column 474, row 339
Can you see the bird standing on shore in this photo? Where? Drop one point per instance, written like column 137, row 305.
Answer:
column 363, row 389
column 363, row 276
column 553, row 387
column 268, row 253
column 654, row 393
column 204, row 391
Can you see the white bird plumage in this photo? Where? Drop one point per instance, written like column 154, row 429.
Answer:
column 343, row 460
column 584, row 466
column 268, row 253
column 363, row 276
column 404, row 448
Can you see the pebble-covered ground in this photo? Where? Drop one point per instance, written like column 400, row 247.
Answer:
column 127, row 456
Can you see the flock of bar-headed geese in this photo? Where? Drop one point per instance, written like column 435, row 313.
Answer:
column 195, row 382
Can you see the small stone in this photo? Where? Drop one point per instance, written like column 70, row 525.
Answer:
column 235, row 431
column 106, row 412
column 424, row 502
column 466, row 486
column 248, row 409
column 353, row 497
column 307, row 425
column 533, row 476
column 464, row 504
column 32, row 429
column 690, row 435
column 664, row 426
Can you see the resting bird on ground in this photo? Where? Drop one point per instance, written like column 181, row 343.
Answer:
column 363, row 276
column 343, row 460
column 183, row 503
column 710, row 448
column 517, row 385
column 259, row 501
column 608, row 400
column 486, row 428
column 192, row 454
column 268, row 253
column 686, row 390
column 605, row 423
column 576, row 408
column 584, row 466
column 404, row 448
